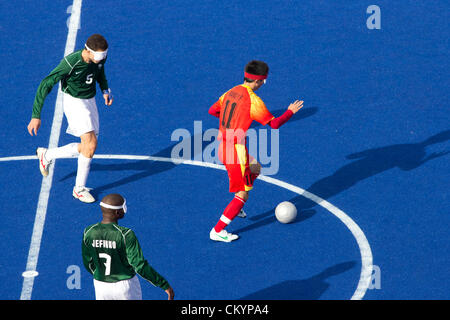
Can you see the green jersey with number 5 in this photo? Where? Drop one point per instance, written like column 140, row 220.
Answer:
column 78, row 78
column 112, row 253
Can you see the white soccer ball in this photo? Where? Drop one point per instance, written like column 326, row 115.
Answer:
column 285, row 212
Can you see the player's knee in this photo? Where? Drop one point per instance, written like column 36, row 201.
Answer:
column 243, row 195
column 255, row 168
column 90, row 150
column 89, row 145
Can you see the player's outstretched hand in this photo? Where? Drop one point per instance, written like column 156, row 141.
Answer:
column 170, row 293
column 34, row 125
column 295, row 106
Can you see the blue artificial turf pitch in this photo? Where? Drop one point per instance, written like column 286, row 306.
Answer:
column 372, row 140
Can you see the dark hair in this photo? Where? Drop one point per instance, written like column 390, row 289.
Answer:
column 256, row 67
column 97, row 42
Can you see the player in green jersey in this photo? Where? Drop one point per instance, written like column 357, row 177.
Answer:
column 78, row 72
column 112, row 254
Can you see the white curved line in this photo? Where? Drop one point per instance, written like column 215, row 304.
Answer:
column 358, row 234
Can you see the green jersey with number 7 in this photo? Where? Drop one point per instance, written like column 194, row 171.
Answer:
column 112, row 253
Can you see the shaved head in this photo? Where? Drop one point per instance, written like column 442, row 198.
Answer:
column 113, row 214
column 113, row 199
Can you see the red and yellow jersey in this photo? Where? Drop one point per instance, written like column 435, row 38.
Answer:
column 238, row 108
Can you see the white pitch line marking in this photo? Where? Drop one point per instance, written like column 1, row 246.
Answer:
column 358, row 234
column 41, row 211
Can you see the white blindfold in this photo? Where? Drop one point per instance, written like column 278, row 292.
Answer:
column 123, row 206
column 98, row 55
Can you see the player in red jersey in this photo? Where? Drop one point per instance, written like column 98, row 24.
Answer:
column 236, row 110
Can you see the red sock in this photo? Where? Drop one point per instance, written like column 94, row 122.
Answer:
column 230, row 212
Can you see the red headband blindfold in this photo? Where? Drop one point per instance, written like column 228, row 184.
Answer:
column 254, row 76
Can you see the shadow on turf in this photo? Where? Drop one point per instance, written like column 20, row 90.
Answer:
column 147, row 168
column 268, row 217
column 367, row 163
column 309, row 289
column 144, row 168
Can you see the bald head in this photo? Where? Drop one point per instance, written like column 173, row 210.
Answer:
column 113, row 199
column 113, row 207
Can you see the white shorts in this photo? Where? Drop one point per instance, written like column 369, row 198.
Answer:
column 129, row 289
column 81, row 115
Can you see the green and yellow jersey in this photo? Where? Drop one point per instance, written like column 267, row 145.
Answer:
column 112, row 253
column 78, row 78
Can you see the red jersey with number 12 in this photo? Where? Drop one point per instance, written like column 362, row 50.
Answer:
column 238, row 108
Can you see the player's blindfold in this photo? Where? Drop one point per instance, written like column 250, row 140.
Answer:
column 98, row 55
column 255, row 76
column 108, row 206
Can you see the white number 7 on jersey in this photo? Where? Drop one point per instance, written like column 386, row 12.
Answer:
column 107, row 264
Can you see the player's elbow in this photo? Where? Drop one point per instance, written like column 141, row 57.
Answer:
column 274, row 124
column 213, row 113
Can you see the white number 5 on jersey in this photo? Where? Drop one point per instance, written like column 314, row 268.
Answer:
column 90, row 78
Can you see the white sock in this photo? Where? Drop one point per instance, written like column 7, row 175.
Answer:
column 84, row 165
column 68, row 151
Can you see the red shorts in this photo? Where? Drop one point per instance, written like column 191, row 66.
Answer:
column 236, row 159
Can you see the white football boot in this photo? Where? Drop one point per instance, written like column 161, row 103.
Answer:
column 83, row 194
column 43, row 163
column 223, row 236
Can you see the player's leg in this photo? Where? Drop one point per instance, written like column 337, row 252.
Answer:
column 239, row 178
column 231, row 210
column 255, row 169
column 104, row 290
column 120, row 290
column 88, row 146
column 46, row 156
column 132, row 289
column 82, row 117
